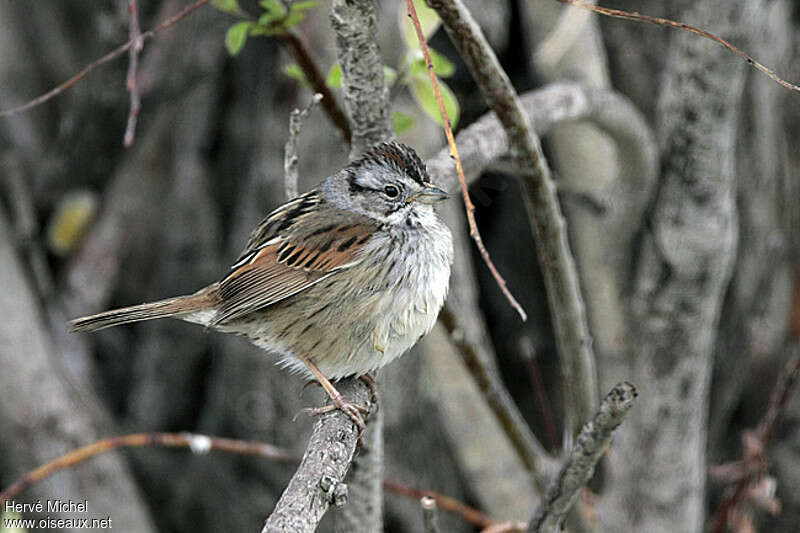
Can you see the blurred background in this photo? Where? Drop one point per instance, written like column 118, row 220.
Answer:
column 87, row 224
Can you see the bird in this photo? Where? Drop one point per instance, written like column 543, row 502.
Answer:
column 337, row 282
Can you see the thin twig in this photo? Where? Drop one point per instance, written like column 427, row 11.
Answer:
column 638, row 17
column 430, row 519
column 530, row 451
column 316, row 80
column 539, row 393
column 470, row 514
column 753, row 465
column 544, row 212
column 205, row 443
column 198, row 443
column 290, row 159
column 133, row 89
column 115, row 53
column 451, row 141
column 579, row 468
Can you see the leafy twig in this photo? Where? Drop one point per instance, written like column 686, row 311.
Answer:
column 470, row 208
column 638, row 17
column 115, row 53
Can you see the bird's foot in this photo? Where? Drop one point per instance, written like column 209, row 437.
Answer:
column 352, row 410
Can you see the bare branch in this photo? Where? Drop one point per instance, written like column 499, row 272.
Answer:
column 470, row 514
column 366, row 96
column 115, row 53
column 555, row 257
column 131, row 83
column 579, row 468
column 290, row 159
column 625, row 15
column 530, row 451
column 748, row 472
column 470, row 208
column 199, row 444
column 318, row 482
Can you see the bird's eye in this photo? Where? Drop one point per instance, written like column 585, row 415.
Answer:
column 391, row 191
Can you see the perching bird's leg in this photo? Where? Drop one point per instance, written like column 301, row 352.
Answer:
column 350, row 409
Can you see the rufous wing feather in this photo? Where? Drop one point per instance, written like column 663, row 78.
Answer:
column 308, row 252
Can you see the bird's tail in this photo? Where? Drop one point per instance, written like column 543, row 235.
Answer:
column 203, row 300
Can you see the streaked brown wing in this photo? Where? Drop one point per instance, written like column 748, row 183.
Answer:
column 311, row 248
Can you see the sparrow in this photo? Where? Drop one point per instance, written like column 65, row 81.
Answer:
column 337, row 282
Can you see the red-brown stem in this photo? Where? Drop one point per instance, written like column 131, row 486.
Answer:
column 451, row 141
column 316, row 80
column 172, row 440
column 626, row 15
column 206, row 443
column 470, row 514
column 115, row 53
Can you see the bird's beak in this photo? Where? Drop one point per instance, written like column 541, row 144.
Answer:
column 429, row 195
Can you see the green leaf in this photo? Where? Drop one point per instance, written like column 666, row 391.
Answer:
column 390, row 74
column 228, row 6
column 428, row 19
column 422, row 90
column 236, row 36
column 296, row 73
column 334, row 79
column 304, row 6
column 402, row 122
column 443, row 67
column 292, row 19
column 274, row 8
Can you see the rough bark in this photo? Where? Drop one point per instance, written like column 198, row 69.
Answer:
column 657, row 470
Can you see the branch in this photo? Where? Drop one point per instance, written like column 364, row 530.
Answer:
column 531, row 453
column 579, row 468
column 366, row 96
column 469, row 207
column 133, row 88
column 199, row 444
column 290, row 159
column 555, row 257
column 316, row 80
column 202, row 444
column 318, row 482
column 637, row 17
column 115, row 53
column 752, row 468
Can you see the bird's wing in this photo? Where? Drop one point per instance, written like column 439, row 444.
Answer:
column 298, row 245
